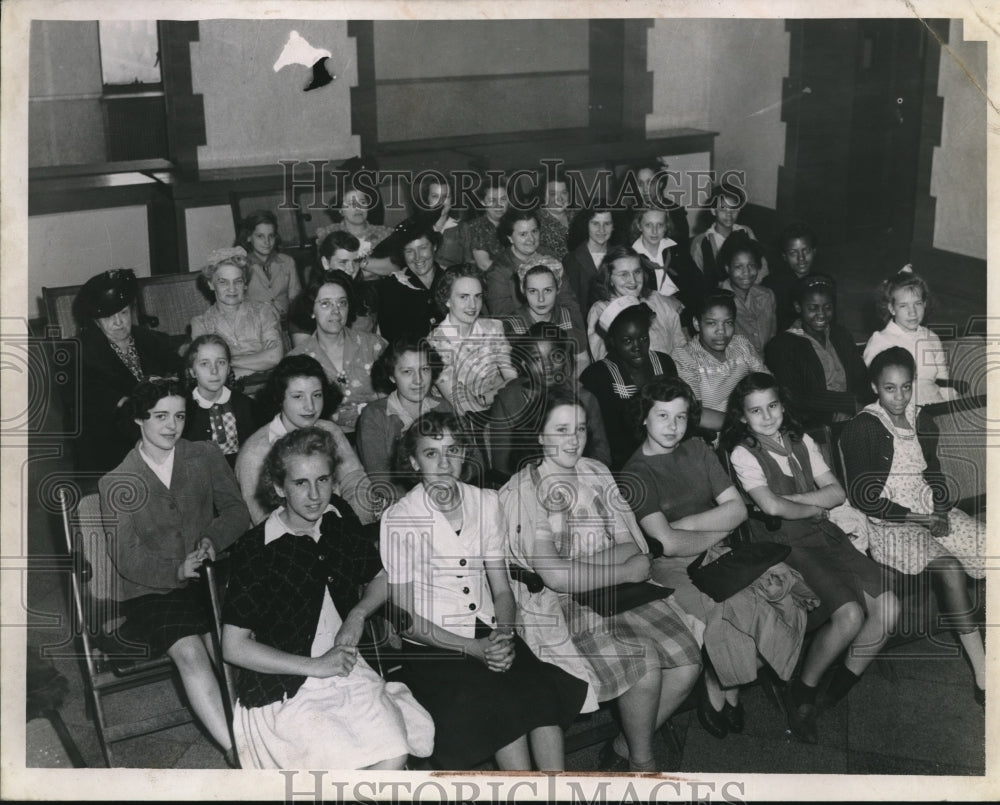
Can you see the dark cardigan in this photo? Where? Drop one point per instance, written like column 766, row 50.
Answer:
column 795, row 365
column 276, row 591
column 198, row 426
column 867, row 448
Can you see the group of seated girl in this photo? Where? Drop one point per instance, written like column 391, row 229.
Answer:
column 351, row 428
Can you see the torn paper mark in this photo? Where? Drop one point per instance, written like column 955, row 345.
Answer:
column 298, row 51
column 321, row 75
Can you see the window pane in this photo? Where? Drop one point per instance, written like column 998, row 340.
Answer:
column 129, row 52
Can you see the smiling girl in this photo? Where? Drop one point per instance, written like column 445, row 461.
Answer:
column 475, row 352
column 590, row 235
column 345, row 353
column 624, row 273
column 298, row 395
column 406, row 372
column 714, row 362
column 782, row 470
column 616, row 379
column 741, row 258
column 817, row 360
column 189, row 508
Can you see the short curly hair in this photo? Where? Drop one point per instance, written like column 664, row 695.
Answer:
column 384, row 366
column 902, row 279
column 321, row 278
column 506, row 226
column 666, row 389
column 272, row 396
column 302, row 442
column 433, row 425
column 446, row 280
column 148, row 393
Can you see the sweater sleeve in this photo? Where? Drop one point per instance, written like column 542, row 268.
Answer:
column 927, row 435
column 249, row 463
column 866, row 467
column 232, row 516
column 133, row 557
column 794, row 368
column 353, row 483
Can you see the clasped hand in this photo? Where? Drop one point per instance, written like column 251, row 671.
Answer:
column 496, row 652
column 939, row 525
column 338, row 661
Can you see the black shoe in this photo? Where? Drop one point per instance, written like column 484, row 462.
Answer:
column 801, row 719
column 979, row 694
column 710, row 718
column 733, row 716
column 609, row 760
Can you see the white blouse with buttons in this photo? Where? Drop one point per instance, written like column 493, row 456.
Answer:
column 447, row 569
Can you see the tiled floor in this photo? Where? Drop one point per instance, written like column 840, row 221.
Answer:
column 923, row 722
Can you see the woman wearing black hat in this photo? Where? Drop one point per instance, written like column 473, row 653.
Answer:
column 406, row 304
column 115, row 355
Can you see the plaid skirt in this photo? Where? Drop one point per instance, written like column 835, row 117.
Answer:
column 615, row 646
column 158, row 621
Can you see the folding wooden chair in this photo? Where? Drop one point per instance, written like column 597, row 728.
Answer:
column 116, row 668
column 216, row 577
column 173, row 299
column 59, row 314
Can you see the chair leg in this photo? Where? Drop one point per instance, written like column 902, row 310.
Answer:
column 99, row 725
column 68, row 744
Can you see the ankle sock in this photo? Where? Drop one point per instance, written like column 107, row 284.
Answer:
column 840, row 684
column 803, row 693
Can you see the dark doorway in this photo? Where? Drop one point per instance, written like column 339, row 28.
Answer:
column 852, row 104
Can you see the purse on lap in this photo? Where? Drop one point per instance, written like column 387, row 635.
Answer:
column 736, row 569
column 608, row 601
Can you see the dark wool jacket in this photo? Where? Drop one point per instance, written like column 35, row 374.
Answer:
column 405, row 307
column 793, row 361
column 276, row 591
column 867, row 448
column 105, row 437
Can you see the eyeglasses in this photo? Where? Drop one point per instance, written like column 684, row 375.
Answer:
column 239, row 282
column 329, row 304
